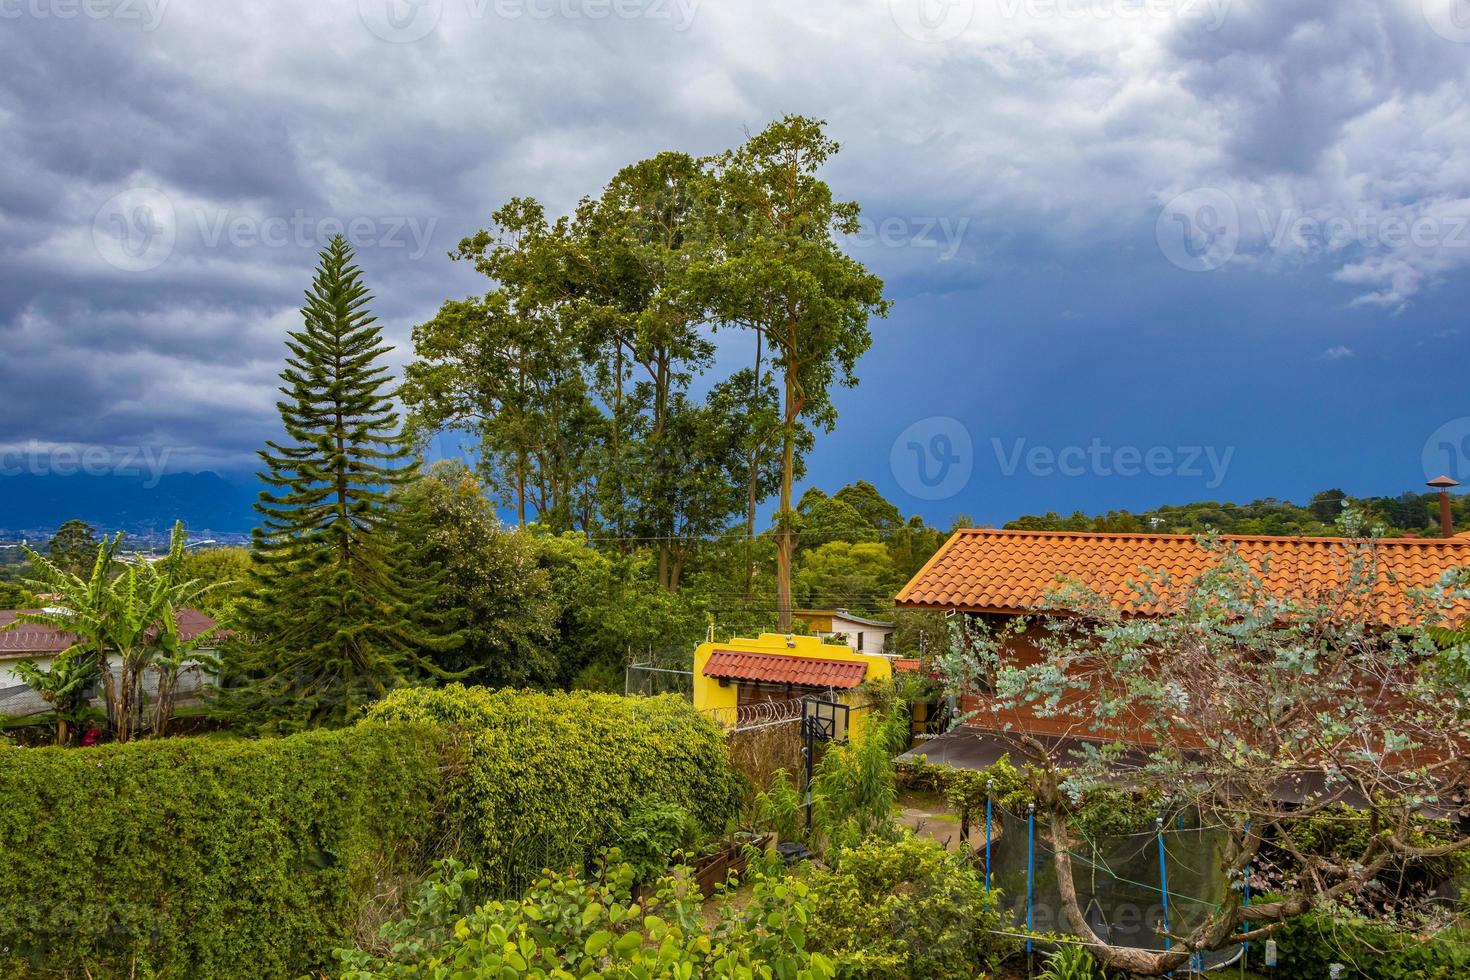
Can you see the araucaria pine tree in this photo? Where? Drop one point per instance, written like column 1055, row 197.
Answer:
column 338, row 607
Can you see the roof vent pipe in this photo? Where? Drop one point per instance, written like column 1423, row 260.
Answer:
column 1446, row 522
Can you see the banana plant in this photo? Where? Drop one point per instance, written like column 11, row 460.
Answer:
column 63, row 685
column 121, row 624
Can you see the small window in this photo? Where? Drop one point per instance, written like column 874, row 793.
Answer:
column 860, row 642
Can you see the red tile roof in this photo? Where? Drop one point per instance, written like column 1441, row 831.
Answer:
column 28, row 640
column 983, row 570
column 775, row 668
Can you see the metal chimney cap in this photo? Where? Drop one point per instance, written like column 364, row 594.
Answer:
column 1443, row 483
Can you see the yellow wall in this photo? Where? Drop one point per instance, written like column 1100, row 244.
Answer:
column 709, row 694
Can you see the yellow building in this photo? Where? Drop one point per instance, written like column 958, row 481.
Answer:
column 742, row 682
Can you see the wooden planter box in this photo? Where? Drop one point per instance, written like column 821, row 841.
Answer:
column 714, row 869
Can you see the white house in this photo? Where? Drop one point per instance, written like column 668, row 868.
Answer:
column 41, row 644
column 863, row 635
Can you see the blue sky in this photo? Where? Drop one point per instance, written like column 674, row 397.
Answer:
column 1141, row 251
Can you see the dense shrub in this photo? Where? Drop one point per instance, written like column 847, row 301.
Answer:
column 207, row 857
column 552, row 777
column 653, row 833
column 572, row 926
column 905, row 908
column 1308, row 945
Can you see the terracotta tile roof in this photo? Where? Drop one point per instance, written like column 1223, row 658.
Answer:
column 906, row 665
column 27, row 640
column 774, row 668
column 983, row 570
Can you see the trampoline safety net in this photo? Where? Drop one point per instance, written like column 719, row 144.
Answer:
column 1118, row 878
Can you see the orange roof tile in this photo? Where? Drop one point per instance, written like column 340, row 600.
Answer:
column 984, row 570
column 774, row 668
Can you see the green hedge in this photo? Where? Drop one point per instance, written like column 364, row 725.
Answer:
column 552, row 777
column 207, row 857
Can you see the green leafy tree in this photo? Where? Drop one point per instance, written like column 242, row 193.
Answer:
column 225, row 571
column 495, row 592
column 73, row 547
column 881, row 515
column 13, row 595
column 760, row 410
column 840, row 574
column 338, row 608
column 510, row 368
column 821, row 519
column 645, row 331
column 611, row 607
column 785, row 276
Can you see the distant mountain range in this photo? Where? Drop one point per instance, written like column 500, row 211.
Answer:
column 206, row 501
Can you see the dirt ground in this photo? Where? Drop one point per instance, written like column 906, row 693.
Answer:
column 929, row 816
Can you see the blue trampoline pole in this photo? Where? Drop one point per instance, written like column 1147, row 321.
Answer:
column 1245, row 891
column 988, row 784
column 1163, row 882
column 1245, row 894
column 1030, row 868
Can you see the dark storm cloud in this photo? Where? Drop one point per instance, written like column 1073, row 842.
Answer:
column 163, row 191
column 1289, row 75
